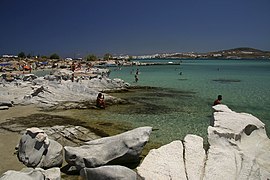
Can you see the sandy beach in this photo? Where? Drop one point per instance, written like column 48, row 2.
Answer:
column 9, row 160
column 9, row 140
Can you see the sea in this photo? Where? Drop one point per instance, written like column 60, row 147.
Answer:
column 181, row 102
column 177, row 100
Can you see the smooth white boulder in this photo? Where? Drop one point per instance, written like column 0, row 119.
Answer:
column 121, row 148
column 109, row 172
column 239, row 147
column 194, row 156
column 32, row 174
column 166, row 162
column 221, row 108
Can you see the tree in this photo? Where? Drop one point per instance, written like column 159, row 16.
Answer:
column 130, row 58
column 54, row 56
column 91, row 57
column 107, row 56
column 29, row 55
column 21, row 55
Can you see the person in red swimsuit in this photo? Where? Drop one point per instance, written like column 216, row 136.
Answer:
column 218, row 100
column 100, row 101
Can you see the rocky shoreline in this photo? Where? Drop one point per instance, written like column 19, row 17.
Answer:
column 238, row 149
column 52, row 91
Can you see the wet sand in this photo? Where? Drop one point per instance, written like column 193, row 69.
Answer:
column 17, row 111
column 9, row 140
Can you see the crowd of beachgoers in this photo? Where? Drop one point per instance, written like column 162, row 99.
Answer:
column 12, row 68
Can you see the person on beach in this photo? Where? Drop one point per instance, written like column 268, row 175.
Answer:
column 218, row 100
column 73, row 66
column 100, row 101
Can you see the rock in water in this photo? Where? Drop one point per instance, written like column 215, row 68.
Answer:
column 122, row 148
column 109, row 172
column 239, row 147
column 36, row 150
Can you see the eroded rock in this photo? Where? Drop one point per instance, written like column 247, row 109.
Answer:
column 166, row 162
column 109, row 172
column 37, row 150
column 122, row 148
column 194, row 156
column 239, row 147
column 32, row 174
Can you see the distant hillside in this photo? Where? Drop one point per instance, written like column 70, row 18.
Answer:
column 236, row 53
column 244, row 49
column 244, row 53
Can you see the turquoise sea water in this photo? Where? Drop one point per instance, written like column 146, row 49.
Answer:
column 181, row 104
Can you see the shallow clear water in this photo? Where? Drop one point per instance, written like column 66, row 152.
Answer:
column 183, row 103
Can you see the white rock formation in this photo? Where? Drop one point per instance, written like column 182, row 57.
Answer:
column 121, row 148
column 36, row 150
column 70, row 135
column 166, row 162
column 239, row 149
column 32, row 174
column 46, row 93
column 194, row 156
column 115, row 172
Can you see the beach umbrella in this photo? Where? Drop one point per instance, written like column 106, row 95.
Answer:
column 26, row 67
column 5, row 64
column 43, row 63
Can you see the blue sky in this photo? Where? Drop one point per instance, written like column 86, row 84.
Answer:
column 80, row 27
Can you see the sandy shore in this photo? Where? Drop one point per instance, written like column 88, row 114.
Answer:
column 9, row 140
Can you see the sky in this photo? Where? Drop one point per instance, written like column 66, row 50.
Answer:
column 135, row 27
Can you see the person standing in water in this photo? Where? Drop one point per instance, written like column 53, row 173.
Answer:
column 136, row 78
column 100, row 101
column 137, row 71
column 137, row 75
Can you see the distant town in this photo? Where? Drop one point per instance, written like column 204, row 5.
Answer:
column 23, row 67
column 236, row 53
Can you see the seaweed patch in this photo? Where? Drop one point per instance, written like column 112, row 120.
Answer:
column 224, row 81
